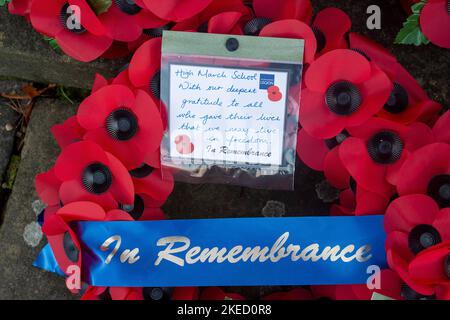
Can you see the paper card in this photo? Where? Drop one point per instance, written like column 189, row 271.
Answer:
column 227, row 114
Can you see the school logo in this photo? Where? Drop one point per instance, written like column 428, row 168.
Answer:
column 266, row 81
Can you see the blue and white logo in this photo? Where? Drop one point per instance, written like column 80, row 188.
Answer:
column 266, row 81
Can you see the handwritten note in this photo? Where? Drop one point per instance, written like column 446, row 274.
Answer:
column 227, row 114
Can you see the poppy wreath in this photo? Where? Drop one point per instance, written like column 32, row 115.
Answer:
column 365, row 122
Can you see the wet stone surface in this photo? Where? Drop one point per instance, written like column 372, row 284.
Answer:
column 26, row 55
column 20, row 236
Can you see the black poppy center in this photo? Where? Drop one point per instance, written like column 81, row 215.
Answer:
column 439, row 190
column 97, row 178
column 343, row 98
column 410, row 294
column 136, row 209
column 398, row 100
column 142, row 171
column 423, row 236
column 255, row 25
column 155, row 84
column 70, row 248
column 155, row 293
column 337, row 140
column 447, row 266
column 128, row 6
column 121, row 124
column 157, row 32
column 320, row 38
column 448, row 6
column 69, row 20
column 385, row 147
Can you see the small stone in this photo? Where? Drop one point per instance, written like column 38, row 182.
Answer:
column 9, row 127
column 274, row 209
column 326, row 192
column 38, row 206
column 32, row 234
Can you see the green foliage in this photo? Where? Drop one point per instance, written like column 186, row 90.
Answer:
column 12, row 172
column 411, row 32
column 3, row 2
column 52, row 42
column 99, row 6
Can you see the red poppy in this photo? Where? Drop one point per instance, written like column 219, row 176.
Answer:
column 440, row 129
column 376, row 150
column 152, row 181
column 143, row 208
column 176, row 10
column 20, row 7
column 435, row 22
column 216, row 293
column 146, row 293
column 68, row 132
column 330, row 27
column 144, row 68
column 342, row 89
column 287, row 9
column 311, row 151
column 427, row 171
column 291, row 28
column 432, row 267
column 87, row 173
column 390, row 282
column 125, row 124
column 358, row 201
column 125, row 20
column 294, row 294
column 406, row 102
column 413, row 223
column 86, row 42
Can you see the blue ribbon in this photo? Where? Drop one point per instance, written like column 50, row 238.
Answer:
column 355, row 243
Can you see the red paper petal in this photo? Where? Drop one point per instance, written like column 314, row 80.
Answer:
column 370, row 175
column 122, row 187
column 429, row 265
column 145, row 62
column 176, row 10
column 336, row 65
column 224, row 23
column 421, row 166
column 120, row 26
column 335, row 171
column 45, row 16
column 95, row 109
column 80, row 211
column 71, row 191
column 84, row 47
column 75, row 157
column 435, row 23
column 293, row 29
column 47, row 186
column 316, row 118
column 441, row 130
column 370, row 202
column 406, row 212
column 310, row 150
column 68, row 132
column 334, row 24
column 99, row 82
column 294, row 294
column 288, row 9
column 185, row 293
column 375, row 92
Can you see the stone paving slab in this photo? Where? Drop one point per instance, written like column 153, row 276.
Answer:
column 8, row 119
column 25, row 54
column 18, row 278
